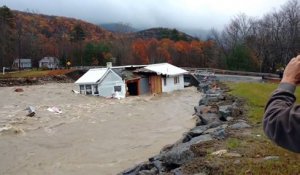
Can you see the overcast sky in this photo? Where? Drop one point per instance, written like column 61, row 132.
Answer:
column 189, row 14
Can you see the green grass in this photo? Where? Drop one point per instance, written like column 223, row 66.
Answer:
column 253, row 147
column 256, row 96
column 232, row 143
column 251, row 144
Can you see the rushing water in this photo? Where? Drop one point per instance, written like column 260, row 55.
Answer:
column 93, row 135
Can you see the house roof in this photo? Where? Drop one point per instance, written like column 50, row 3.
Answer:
column 163, row 69
column 125, row 74
column 49, row 59
column 92, row 76
column 23, row 60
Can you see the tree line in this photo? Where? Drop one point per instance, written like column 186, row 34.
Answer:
column 249, row 44
column 266, row 44
column 29, row 35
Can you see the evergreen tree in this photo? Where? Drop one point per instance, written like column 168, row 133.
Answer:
column 6, row 36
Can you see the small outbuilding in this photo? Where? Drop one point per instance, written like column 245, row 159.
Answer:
column 163, row 77
column 22, row 63
column 102, row 82
column 49, row 62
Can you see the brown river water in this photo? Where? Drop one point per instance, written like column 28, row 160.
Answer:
column 92, row 135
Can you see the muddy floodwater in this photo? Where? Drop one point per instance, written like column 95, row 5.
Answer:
column 92, row 135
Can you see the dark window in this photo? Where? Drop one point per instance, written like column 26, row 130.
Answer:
column 88, row 89
column 165, row 81
column 81, row 87
column 176, row 80
column 95, row 89
column 118, row 88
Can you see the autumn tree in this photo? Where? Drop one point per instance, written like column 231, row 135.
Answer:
column 139, row 48
column 77, row 37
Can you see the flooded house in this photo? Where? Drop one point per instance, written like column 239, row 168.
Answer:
column 163, row 77
column 102, row 82
column 131, row 80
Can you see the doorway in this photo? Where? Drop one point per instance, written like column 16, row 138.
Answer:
column 133, row 88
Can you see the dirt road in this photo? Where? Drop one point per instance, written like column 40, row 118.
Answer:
column 93, row 135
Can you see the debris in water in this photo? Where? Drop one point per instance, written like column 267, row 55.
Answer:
column 116, row 95
column 75, row 92
column 31, row 111
column 19, row 90
column 55, row 110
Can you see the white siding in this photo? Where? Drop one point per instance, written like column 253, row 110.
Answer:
column 106, row 87
column 170, row 86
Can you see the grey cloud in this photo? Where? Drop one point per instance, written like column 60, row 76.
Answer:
column 150, row 13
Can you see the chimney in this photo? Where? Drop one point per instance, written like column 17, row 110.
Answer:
column 108, row 64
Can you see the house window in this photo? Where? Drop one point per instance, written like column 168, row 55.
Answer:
column 117, row 88
column 165, row 81
column 81, row 87
column 88, row 89
column 176, row 80
column 95, row 89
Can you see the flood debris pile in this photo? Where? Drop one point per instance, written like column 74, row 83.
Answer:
column 7, row 82
column 217, row 114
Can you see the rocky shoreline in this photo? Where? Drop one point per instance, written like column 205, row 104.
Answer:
column 217, row 115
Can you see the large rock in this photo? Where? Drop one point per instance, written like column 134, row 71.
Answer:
column 206, row 109
column 201, row 109
column 240, row 125
column 208, row 99
column 208, row 118
column 203, row 101
column 198, row 130
column 146, row 168
column 132, row 171
column 181, row 153
column 225, row 111
column 153, row 171
column 217, row 132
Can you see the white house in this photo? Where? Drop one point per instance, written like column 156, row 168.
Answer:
column 49, row 62
column 164, row 77
column 24, row 63
column 102, row 82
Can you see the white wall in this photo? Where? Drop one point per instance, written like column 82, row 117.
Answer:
column 171, row 86
column 106, row 87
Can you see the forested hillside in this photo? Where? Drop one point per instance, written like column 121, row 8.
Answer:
column 29, row 35
column 248, row 44
column 164, row 33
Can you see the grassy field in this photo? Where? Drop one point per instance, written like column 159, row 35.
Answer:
column 256, row 95
column 34, row 73
column 252, row 144
column 256, row 146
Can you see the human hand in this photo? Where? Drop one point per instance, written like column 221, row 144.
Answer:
column 292, row 72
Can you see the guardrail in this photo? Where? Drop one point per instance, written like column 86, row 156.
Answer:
column 229, row 72
column 86, row 67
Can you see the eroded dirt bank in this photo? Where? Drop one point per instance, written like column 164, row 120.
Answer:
column 92, row 135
